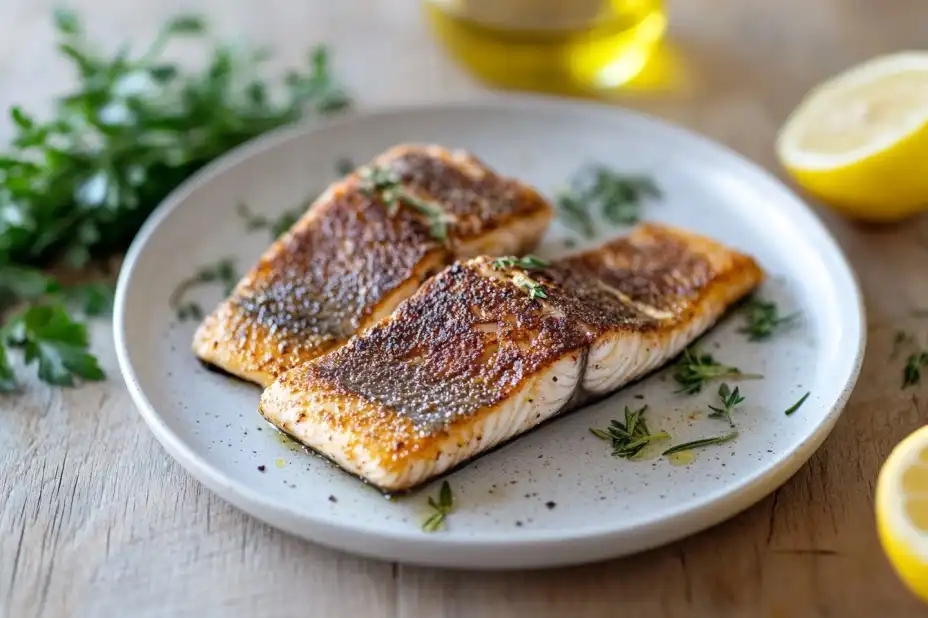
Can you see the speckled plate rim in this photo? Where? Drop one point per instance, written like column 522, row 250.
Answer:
column 542, row 548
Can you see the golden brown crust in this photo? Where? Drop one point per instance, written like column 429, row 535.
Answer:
column 349, row 261
column 469, row 339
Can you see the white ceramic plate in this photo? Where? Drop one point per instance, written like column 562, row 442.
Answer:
column 555, row 496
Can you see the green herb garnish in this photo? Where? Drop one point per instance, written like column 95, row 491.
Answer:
column 534, row 288
column 630, row 437
column 528, row 262
column 695, row 369
column 912, row 373
column 616, row 195
column 440, row 509
column 763, row 319
column 688, row 446
column 730, row 399
column 222, row 272
column 78, row 186
column 797, row 405
column 388, row 185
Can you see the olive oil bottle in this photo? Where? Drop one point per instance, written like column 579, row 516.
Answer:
column 563, row 46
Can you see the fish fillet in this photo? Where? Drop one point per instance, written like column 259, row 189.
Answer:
column 471, row 361
column 350, row 260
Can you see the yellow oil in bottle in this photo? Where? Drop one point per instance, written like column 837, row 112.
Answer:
column 564, row 46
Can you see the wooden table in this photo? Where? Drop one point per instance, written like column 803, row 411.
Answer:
column 96, row 520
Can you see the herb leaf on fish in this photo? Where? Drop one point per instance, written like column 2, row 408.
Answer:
column 730, row 399
column 387, row 184
column 527, row 262
column 628, row 438
column 618, row 196
column 763, row 319
column 534, row 288
column 440, row 508
column 704, row 442
column 695, row 369
column 790, row 410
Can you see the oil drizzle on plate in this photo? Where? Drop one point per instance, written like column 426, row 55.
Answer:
column 683, row 458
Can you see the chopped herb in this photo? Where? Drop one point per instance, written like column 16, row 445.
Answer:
column 797, row 405
column 534, row 288
column 688, row 446
column 387, row 184
column 730, row 399
column 616, row 195
column 912, row 374
column 630, row 437
column 763, row 319
column 222, row 272
column 694, row 370
column 440, row 509
column 527, row 262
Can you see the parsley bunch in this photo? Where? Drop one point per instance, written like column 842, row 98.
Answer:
column 78, row 186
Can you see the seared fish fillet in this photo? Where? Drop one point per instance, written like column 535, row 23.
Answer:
column 351, row 259
column 470, row 360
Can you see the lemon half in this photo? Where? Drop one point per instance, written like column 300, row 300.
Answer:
column 859, row 141
column 902, row 510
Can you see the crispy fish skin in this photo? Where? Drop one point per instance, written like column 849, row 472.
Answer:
column 349, row 261
column 471, row 361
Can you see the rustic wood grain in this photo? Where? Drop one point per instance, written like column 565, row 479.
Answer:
column 96, row 520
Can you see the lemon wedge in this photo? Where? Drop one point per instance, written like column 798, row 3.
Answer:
column 859, row 141
column 902, row 510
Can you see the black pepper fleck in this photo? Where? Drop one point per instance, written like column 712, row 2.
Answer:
column 333, row 499
column 550, row 504
column 262, row 468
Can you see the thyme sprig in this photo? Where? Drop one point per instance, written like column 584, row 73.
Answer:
column 630, row 436
column 695, row 369
column 730, row 399
column 387, row 184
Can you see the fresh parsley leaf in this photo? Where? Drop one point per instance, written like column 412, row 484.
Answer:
column 440, row 508
column 93, row 299
column 79, row 185
column 704, row 442
column 763, row 319
column 18, row 283
column 48, row 335
column 730, row 399
column 628, row 438
column 694, row 370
